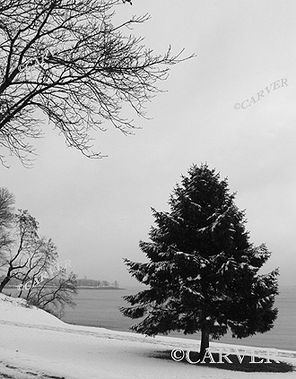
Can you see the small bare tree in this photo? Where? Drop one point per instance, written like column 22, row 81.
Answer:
column 70, row 60
column 6, row 217
column 6, row 208
column 41, row 258
column 54, row 292
column 16, row 254
column 31, row 262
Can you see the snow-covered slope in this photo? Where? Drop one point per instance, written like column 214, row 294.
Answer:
column 35, row 344
column 17, row 310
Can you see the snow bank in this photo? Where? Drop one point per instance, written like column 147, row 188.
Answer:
column 17, row 310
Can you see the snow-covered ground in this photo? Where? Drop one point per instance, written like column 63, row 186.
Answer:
column 35, row 344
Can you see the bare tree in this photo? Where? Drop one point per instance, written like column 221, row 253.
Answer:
column 6, row 219
column 54, row 292
column 6, row 208
column 41, row 259
column 69, row 61
column 31, row 262
column 24, row 244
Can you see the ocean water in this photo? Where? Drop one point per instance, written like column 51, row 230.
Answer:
column 101, row 308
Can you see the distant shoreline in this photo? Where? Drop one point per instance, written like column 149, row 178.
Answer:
column 83, row 288
column 99, row 288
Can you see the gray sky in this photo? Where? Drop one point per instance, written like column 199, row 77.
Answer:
column 97, row 211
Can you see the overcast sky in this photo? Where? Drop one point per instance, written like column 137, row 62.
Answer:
column 97, row 211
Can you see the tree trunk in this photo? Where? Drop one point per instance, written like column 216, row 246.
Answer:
column 4, row 282
column 205, row 337
column 7, row 277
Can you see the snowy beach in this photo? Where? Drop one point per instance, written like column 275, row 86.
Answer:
column 36, row 344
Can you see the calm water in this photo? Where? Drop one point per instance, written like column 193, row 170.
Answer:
column 101, row 308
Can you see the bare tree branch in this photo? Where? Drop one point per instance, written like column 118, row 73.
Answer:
column 68, row 60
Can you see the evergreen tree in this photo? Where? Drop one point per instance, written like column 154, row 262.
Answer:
column 203, row 272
